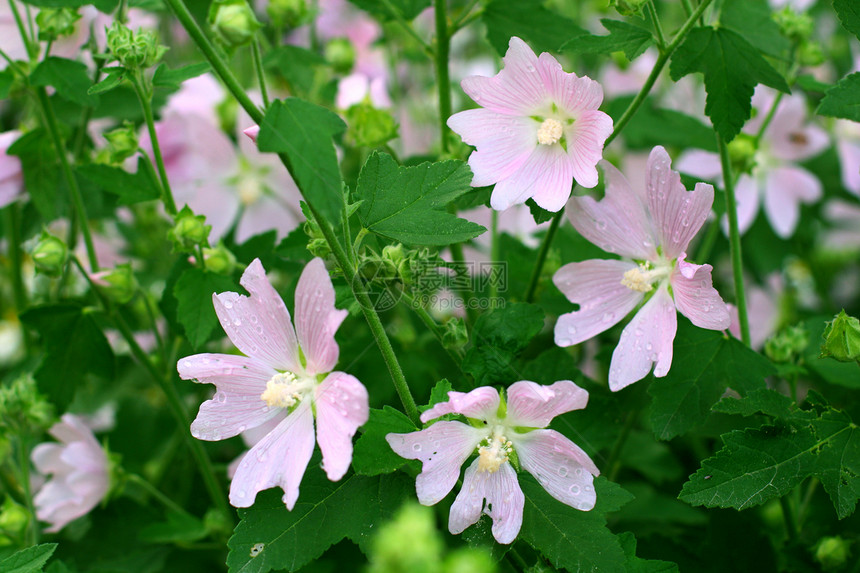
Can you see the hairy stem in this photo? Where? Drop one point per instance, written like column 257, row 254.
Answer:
column 144, row 96
column 443, row 79
column 544, row 249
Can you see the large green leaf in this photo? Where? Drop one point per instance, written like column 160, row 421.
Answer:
column 732, row 67
column 194, row 309
column 843, row 99
column 171, row 80
column 303, row 132
column 372, row 454
column 129, row 187
column 296, row 64
column 637, row 564
column 270, row 537
column 408, row 204
column 652, row 125
column 849, row 14
column 41, row 170
column 29, row 560
column 382, row 9
column 704, row 364
column 623, row 37
column 752, row 19
column 542, row 29
column 70, row 78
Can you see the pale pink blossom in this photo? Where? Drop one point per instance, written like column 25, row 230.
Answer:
column 848, row 147
column 287, row 372
column 79, row 469
column 11, row 176
column 763, row 313
column 538, row 130
column 775, row 179
column 843, row 232
column 651, row 230
column 513, row 429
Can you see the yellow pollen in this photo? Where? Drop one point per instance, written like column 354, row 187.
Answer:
column 550, row 131
column 283, row 391
column 493, row 455
column 638, row 279
column 250, row 190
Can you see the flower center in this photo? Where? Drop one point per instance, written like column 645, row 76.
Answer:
column 492, row 455
column 250, row 189
column 550, row 131
column 641, row 278
column 285, row 390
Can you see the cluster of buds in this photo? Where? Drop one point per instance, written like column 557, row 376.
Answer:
column 369, row 126
column 219, row 260
column 189, row 231
column 742, row 150
column 118, row 284
column 798, row 28
column 121, row 144
column 23, row 410
column 134, row 50
column 287, row 13
column 787, row 345
column 233, row 22
column 629, row 7
column 56, row 22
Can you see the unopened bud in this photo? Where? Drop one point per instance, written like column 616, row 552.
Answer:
column 424, row 552
column 23, row 410
column 219, row 260
column 118, row 284
column 369, row 126
column 252, row 132
column 842, row 339
column 287, row 13
column 189, row 230
column 629, row 7
column 50, row 254
column 470, row 560
column 233, row 22
column 122, row 143
column 793, row 25
column 742, row 150
column 340, row 54
column 134, row 49
column 832, row 552
column 56, row 22
column 456, row 335
column 787, row 344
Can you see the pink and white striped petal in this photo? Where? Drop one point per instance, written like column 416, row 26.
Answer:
column 560, row 466
column 535, row 405
column 747, row 197
column 481, row 403
column 342, row 406
column 785, row 189
column 585, row 139
column 317, row 319
column 504, row 502
column 696, row 298
column 546, row 172
column 571, row 93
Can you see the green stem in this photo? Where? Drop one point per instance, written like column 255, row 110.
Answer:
column 13, row 228
column 770, row 113
column 25, row 38
column 688, row 8
column 464, row 17
column 156, row 493
column 433, row 326
column 613, row 463
column 807, row 499
column 658, row 29
column 261, row 77
column 143, row 95
column 68, row 175
column 734, row 240
column 707, row 244
column 544, row 249
column 443, row 80
column 788, row 516
column 467, row 293
column 24, row 463
column 407, row 27
column 494, row 249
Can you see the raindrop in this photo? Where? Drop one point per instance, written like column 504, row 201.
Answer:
column 221, row 397
column 601, row 224
column 242, row 428
column 563, row 471
column 237, row 322
column 228, row 305
column 574, row 489
column 648, row 346
column 530, row 68
column 416, row 447
column 240, row 493
column 564, row 342
column 608, row 317
column 253, row 318
column 571, row 330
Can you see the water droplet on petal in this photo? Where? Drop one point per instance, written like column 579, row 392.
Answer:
column 416, row 447
column 563, row 471
column 574, row 489
column 228, row 305
column 608, row 317
column 601, row 224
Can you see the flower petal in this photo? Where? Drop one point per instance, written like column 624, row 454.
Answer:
column 699, row 163
column 535, row 405
column 442, row 449
column 596, row 286
column 646, row 341
column 747, row 198
column 696, row 298
column 585, row 139
column 785, row 189
column 259, row 325
column 516, row 90
column 562, row 468
column 481, row 403
column 546, row 172
column 505, row 502
column 569, row 92
column 619, row 223
column 678, row 214
column 317, row 319
column 279, row 459
column 341, row 402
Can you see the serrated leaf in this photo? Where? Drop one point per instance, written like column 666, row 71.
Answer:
column 171, row 80
column 752, row 19
column 569, row 538
column 131, row 188
column 732, row 67
column 304, row 132
column 372, row 454
column 28, row 560
column 497, row 338
column 41, row 173
column 114, row 78
column 539, row 214
column 408, row 9
column 838, row 464
column 623, row 37
column 763, row 400
column 843, row 99
column 70, row 78
column 849, row 14
column 542, row 29
column 637, row 564
column 325, row 513
column 194, row 309
column 439, row 393
column 408, row 204
column 704, row 364
column 652, row 125
column 75, row 347
column 297, row 65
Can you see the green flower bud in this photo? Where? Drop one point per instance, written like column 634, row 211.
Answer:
column 49, row 254
column 340, row 53
column 118, row 284
column 134, row 49
column 394, row 253
column 456, row 335
column 629, row 7
column 219, row 260
column 811, row 54
column 189, row 230
column 287, row 13
column 319, row 248
column 22, row 409
column 787, row 345
column 54, row 23
column 423, row 554
column 122, row 142
column 742, row 150
column 368, row 126
column 233, row 22
column 832, row 552
column 842, row 338
column 470, row 560
column 13, row 519
column 794, row 26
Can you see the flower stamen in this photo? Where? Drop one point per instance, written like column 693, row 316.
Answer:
column 641, row 278
column 284, row 390
column 550, row 131
column 494, row 454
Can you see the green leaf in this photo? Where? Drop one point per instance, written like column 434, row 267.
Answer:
column 569, row 538
column 179, row 527
column 114, row 77
column 372, row 454
column 304, row 131
column 325, row 513
column 652, row 125
column 74, row 347
column 539, row 214
column 497, row 338
column 704, row 364
column 70, row 78
column 732, row 67
column 439, row 393
column 7, row 79
column 752, row 20
column 131, row 188
column 849, row 14
column 639, row 565
column 542, row 29
column 843, row 99
column 41, row 170
column 408, row 204
column 763, row 401
column 838, row 464
column 194, row 309
column 28, row 560
column 408, row 9
column 623, row 37
column 297, row 65
column 171, row 80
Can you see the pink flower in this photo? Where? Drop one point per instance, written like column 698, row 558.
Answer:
column 80, row 473
column 653, row 229
column 286, row 372
column 561, row 467
column 539, row 130
column 11, row 177
column 848, row 147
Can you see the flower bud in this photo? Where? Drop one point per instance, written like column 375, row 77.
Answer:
column 13, row 521
column 470, row 560
column 22, row 409
column 134, row 49
column 832, row 552
column 118, row 283
column 369, row 126
column 54, row 23
column 742, row 150
column 189, row 230
column 456, row 335
column 629, row 7
column 340, row 54
column 219, row 260
column 233, row 22
column 50, row 254
column 793, row 25
column 423, row 554
column 122, row 143
column 788, row 344
column 842, row 338
column 287, row 13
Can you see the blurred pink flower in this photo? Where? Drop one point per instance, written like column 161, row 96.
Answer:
column 279, row 376
column 11, row 177
column 848, row 147
column 789, row 138
column 539, row 130
column 515, row 428
column 653, row 229
column 762, row 311
column 79, row 469
column 843, row 232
